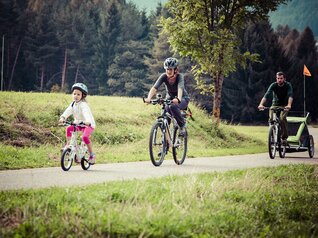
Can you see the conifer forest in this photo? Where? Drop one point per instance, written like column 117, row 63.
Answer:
column 118, row 49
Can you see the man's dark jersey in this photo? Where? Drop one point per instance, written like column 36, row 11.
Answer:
column 280, row 93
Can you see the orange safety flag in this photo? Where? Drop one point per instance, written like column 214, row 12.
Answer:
column 306, row 71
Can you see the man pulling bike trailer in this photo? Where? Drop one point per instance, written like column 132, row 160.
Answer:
column 281, row 136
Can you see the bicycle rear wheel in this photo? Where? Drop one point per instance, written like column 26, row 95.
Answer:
column 66, row 159
column 271, row 142
column 157, row 144
column 84, row 161
column 281, row 145
column 311, row 146
column 180, row 146
column 282, row 149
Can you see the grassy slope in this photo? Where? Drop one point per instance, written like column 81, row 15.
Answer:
column 263, row 202
column 29, row 122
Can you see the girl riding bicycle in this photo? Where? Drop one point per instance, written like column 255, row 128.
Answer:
column 82, row 114
column 174, row 83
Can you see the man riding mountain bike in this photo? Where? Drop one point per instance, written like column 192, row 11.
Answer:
column 282, row 93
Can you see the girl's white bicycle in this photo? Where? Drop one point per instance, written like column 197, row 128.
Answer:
column 75, row 151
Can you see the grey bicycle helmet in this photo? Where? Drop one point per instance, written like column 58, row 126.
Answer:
column 80, row 86
column 170, row 63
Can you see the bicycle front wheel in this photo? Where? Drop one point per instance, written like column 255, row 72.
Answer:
column 180, row 146
column 272, row 141
column 66, row 159
column 157, row 144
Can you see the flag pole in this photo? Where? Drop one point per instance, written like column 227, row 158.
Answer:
column 304, row 95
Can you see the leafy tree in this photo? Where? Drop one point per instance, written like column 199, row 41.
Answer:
column 207, row 32
column 297, row 14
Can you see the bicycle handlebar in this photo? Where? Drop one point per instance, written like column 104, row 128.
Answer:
column 159, row 101
column 275, row 109
column 68, row 123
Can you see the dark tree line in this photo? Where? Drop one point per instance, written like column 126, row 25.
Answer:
column 117, row 49
column 281, row 50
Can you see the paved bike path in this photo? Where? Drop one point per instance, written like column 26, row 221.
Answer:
column 99, row 173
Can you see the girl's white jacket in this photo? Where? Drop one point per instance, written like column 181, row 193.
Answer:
column 81, row 113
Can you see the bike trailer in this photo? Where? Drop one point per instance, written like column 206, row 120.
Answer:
column 299, row 138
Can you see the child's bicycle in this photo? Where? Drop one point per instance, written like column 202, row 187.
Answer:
column 75, row 151
column 162, row 136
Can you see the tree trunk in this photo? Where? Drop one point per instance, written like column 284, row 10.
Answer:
column 216, row 113
column 218, row 83
column 64, row 71
column 76, row 75
column 14, row 64
column 42, row 78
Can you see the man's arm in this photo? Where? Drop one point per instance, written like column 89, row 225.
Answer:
column 151, row 93
column 290, row 102
column 261, row 104
column 180, row 93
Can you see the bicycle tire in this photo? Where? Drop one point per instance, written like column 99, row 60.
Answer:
column 180, row 146
column 84, row 161
column 311, row 146
column 157, row 144
column 281, row 146
column 282, row 150
column 271, row 142
column 66, row 159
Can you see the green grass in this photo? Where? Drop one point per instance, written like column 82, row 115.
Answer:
column 31, row 138
column 263, row 202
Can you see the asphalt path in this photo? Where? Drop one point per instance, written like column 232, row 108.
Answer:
column 100, row 173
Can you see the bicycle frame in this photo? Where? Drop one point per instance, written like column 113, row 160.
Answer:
column 274, row 136
column 74, row 150
column 77, row 149
column 164, row 135
column 276, row 124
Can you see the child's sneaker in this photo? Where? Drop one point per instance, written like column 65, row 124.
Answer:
column 182, row 131
column 92, row 159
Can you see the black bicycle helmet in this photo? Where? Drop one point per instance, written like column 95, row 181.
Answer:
column 80, row 86
column 170, row 63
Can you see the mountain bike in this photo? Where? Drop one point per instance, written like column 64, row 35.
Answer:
column 75, row 151
column 165, row 134
column 275, row 141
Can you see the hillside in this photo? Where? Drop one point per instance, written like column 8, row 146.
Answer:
column 30, row 136
column 297, row 14
column 147, row 5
